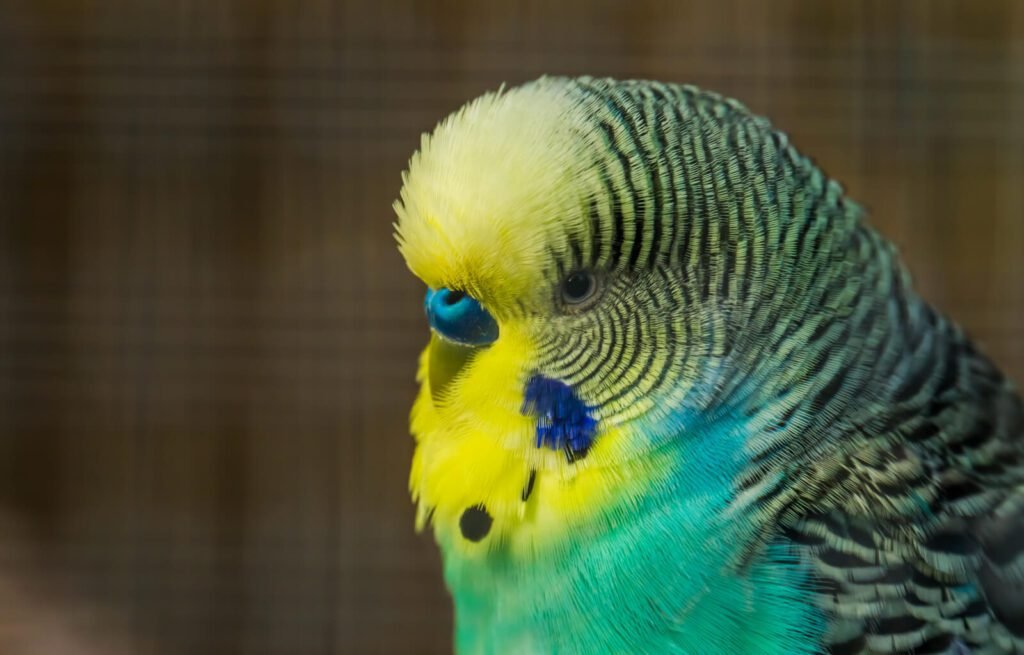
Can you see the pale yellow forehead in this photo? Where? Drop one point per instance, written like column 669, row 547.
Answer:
column 494, row 190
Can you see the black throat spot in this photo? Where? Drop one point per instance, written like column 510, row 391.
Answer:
column 475, row 523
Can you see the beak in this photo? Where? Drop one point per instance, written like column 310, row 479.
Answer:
column 447, row 359
column 460, row 326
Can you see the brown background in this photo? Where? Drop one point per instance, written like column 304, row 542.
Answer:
column 207, row 339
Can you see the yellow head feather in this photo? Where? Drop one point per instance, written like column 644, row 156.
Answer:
column 493, row 192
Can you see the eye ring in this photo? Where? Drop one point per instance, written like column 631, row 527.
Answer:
column 579, row 289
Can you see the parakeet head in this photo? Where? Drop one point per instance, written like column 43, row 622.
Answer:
column 603, row 262
column 679, row 398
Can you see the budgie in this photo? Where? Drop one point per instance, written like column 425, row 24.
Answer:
column 679, row 397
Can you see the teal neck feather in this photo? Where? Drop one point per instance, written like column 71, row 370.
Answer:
column 655, row 573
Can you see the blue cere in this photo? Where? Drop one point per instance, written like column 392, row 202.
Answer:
column 563, row 420
column 458, row 317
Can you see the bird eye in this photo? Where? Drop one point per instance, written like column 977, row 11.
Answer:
column 578, row 287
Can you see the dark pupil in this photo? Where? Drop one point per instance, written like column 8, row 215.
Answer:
column 577, row 286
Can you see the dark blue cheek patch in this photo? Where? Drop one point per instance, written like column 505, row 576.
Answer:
column 563, row 420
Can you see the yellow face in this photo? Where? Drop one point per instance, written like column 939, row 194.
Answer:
column 475, row 447
column 493, row 206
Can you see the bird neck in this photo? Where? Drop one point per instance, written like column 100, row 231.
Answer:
column 653, row 571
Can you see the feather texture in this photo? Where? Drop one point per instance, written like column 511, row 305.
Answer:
column 788, row 450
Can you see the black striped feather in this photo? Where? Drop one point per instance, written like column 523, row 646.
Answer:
column 885, row 447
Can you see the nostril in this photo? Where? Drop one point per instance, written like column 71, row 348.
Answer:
column 458, row 317
column 453, row 297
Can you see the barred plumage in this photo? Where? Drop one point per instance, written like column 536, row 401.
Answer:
column 741, row 287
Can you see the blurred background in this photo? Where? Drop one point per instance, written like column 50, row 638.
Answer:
column 208, row 340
